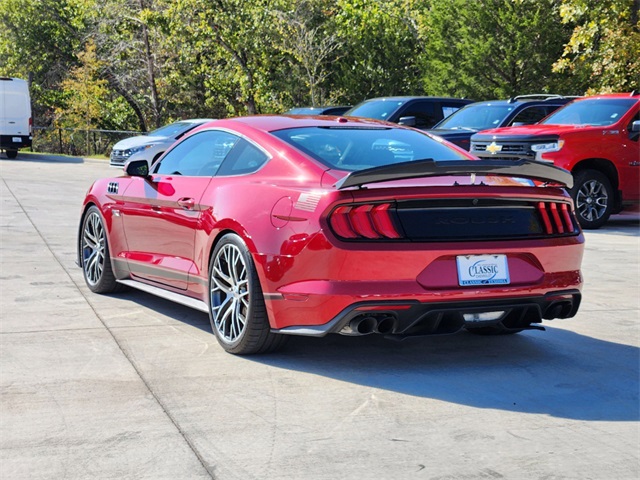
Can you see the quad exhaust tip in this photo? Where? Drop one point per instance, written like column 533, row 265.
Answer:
column 367, row 324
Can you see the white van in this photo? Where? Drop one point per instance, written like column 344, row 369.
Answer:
column 16, row 123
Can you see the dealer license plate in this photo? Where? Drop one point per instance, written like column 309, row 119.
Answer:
column 482, row 270
column 16, row 139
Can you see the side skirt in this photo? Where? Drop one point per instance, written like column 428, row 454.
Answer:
column 167, row 295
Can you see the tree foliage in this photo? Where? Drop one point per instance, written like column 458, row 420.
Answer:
column 137, row 64
column 40, row 40
column 603, row 53
column 492, row 48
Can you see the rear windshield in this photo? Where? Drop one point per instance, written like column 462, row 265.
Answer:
column 477, row 117
column 596, row 112
column 352, row 149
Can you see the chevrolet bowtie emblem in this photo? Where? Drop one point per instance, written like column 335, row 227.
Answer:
column 493, row 147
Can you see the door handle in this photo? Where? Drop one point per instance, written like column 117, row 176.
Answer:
column 186, row 203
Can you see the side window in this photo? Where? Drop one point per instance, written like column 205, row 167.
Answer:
column 242, row 159
column 529, row 116
column 197, row 156
column 449, row 109
column 424, row 112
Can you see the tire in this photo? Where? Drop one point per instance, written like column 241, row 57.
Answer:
column 593, row 197
column 236, row 305
column 94, row 254
column 11, row 154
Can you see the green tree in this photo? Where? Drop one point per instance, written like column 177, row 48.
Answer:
column 84, row 92
column 128, row 36
column 39, row 41
column 311, row 49
column 603, row 53
column 492, row 48
column 379, row 49
column 230, row 44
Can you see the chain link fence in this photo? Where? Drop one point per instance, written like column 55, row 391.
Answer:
column 77, row 142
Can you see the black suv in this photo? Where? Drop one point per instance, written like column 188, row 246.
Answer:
column 419, row 112
column 520, row 110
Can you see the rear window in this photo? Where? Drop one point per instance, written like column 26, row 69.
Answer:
column 358, row 148
column 596, row 112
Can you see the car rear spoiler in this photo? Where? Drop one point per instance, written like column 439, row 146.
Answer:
column 524, row 168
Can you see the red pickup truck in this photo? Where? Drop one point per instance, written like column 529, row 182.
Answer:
column 595, row 138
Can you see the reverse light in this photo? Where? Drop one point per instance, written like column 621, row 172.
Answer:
column 483, row 316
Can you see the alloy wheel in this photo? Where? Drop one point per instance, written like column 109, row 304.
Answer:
column 93, row 248
column 229, row 293
column 592, row 200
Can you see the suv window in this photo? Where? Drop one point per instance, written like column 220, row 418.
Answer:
column 530, row 115
column 424, row 111
column 379, row 109
column 197, row 156
column 448, row 109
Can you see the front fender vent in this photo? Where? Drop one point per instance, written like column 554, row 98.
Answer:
column 112, row 187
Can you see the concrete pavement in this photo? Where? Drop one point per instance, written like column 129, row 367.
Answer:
column 132, row 386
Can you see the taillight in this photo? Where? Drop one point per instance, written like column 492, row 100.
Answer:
column 556, row 218
column 30, row 126
column 360, row 222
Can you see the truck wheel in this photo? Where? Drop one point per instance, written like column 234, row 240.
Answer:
column 593, row 196
column 12, row 154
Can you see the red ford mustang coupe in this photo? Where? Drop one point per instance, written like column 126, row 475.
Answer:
column 279, row 225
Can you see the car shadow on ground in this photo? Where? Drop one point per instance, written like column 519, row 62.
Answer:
column 557, row 372
column 42, row 158
column 186, row 315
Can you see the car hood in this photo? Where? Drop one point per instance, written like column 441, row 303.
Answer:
column 138, row 141
column 529, row 130
column 451, row 132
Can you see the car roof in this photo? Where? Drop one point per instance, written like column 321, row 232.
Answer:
column 271, row 123
column 521, row 100
column 634, row 94
column 408, row 97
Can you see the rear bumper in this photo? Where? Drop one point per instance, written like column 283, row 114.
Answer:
column 413, row 318
column 311, row 292
column 15, row 142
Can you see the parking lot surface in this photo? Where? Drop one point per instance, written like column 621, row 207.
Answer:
column 133, row 386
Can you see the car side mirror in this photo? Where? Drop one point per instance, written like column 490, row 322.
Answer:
column 635, row 126
column 137, row 168
column 407, row 121
column 518, row 124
